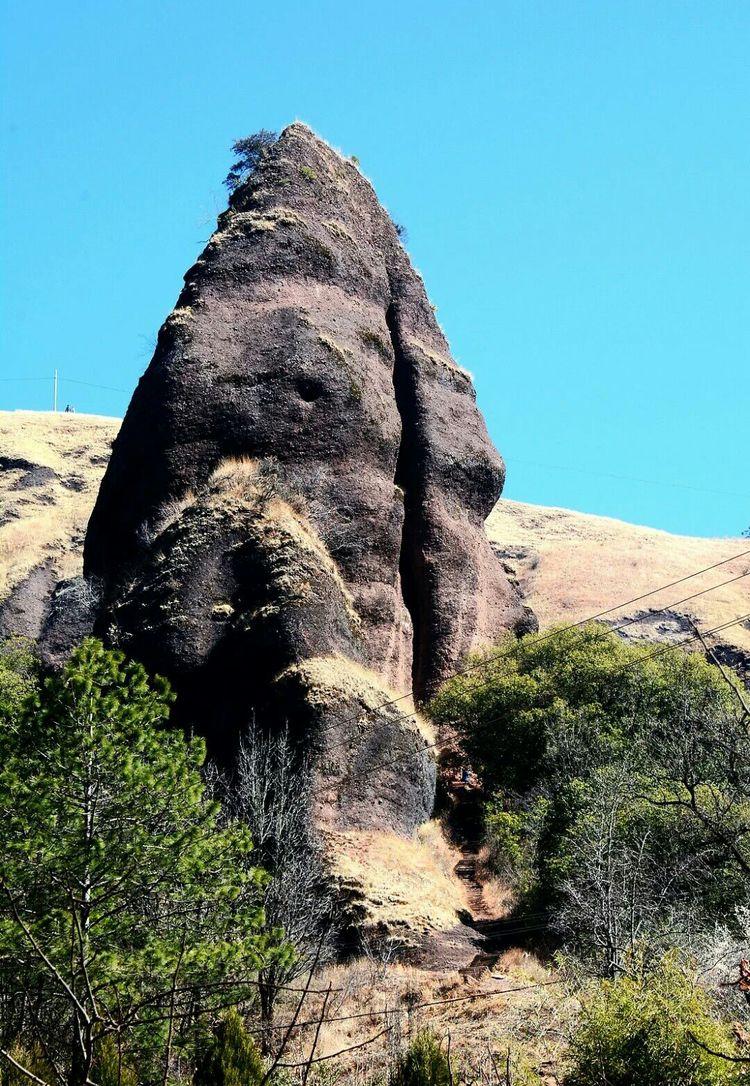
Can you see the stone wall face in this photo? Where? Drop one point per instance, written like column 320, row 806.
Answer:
column 302, row 367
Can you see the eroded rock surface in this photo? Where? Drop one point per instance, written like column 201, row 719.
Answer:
column 303, row 347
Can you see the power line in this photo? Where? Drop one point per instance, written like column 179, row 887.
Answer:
column 90, row 384
column 614, row 629
column 492, row 657
column 625, row 478
column 430, row 746
column 69, row 381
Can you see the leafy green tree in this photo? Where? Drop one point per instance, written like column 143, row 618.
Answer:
column 128, row 909
column 618, row 784
column 230, row 1057
column 573, row 696
column 650, row 1028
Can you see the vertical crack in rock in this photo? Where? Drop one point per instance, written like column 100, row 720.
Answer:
column 247, row 536
column 407, row 479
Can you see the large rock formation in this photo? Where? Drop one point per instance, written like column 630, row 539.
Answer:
column 300, row 485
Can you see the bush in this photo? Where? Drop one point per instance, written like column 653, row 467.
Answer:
column 230, row 1057
column 648, row 1029
column 19, row 679
column 618, row 786
column 249, row 152
column 577, row 697
column 425, row 1063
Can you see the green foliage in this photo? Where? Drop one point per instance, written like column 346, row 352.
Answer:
column 308, row 173
column 19, row 680
column 646, row 1029
column 125, row 901
column 425, row 1063
column 514, row 1064
column 231, row 1057
column 510, row 837
column 579, row 692
column 32, row 1058
column 618, row 781
column 111, row 1067
column 248, row 154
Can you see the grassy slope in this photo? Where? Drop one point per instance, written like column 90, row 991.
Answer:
column 43, row 516
column 572, row 565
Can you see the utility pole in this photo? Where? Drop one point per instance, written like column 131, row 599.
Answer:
column 54, row 393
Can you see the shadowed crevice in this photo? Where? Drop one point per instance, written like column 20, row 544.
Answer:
column 408, row 478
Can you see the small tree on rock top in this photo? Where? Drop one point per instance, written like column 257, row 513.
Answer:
column 248, row 153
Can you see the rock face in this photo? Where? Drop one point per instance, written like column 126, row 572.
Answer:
column 299, row 486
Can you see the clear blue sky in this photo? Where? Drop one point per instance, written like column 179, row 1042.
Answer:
column 574, row 178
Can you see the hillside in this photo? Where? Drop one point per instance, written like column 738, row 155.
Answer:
column 567, row 564
column 50, row 470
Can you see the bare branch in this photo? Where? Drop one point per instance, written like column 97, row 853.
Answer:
column 24, row 1070
column 341, row 1051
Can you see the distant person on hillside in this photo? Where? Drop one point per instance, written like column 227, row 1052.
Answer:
column 69, row 409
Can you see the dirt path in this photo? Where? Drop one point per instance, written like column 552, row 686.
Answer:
column 492, row 934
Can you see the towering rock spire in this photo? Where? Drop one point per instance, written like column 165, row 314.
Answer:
column 302, row 474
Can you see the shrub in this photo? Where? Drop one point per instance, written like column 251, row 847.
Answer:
column 230, row 1057
column 248, row 153
column 648, row 1029
column 425, row 1063
column 618, row 785
column 18, row 679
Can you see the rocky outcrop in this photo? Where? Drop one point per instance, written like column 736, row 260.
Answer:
column 301, row 480
column 303, row 336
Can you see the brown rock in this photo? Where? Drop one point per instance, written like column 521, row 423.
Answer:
column 304, row 342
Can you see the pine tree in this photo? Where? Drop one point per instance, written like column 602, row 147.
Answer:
column 127, row 907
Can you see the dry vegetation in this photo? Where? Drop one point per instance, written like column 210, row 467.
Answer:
column 408, row 882
column 571, row 565
column 521, row 1002
column 43, row 515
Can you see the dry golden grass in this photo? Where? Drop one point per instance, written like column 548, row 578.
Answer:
column 236, row 471
column 172, row 510
column 408, row 882
column 473, row 1011
column 46, row 521
column 578, row 564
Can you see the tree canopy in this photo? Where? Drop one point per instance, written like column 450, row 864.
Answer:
column 128, row 909
column 617, row 782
